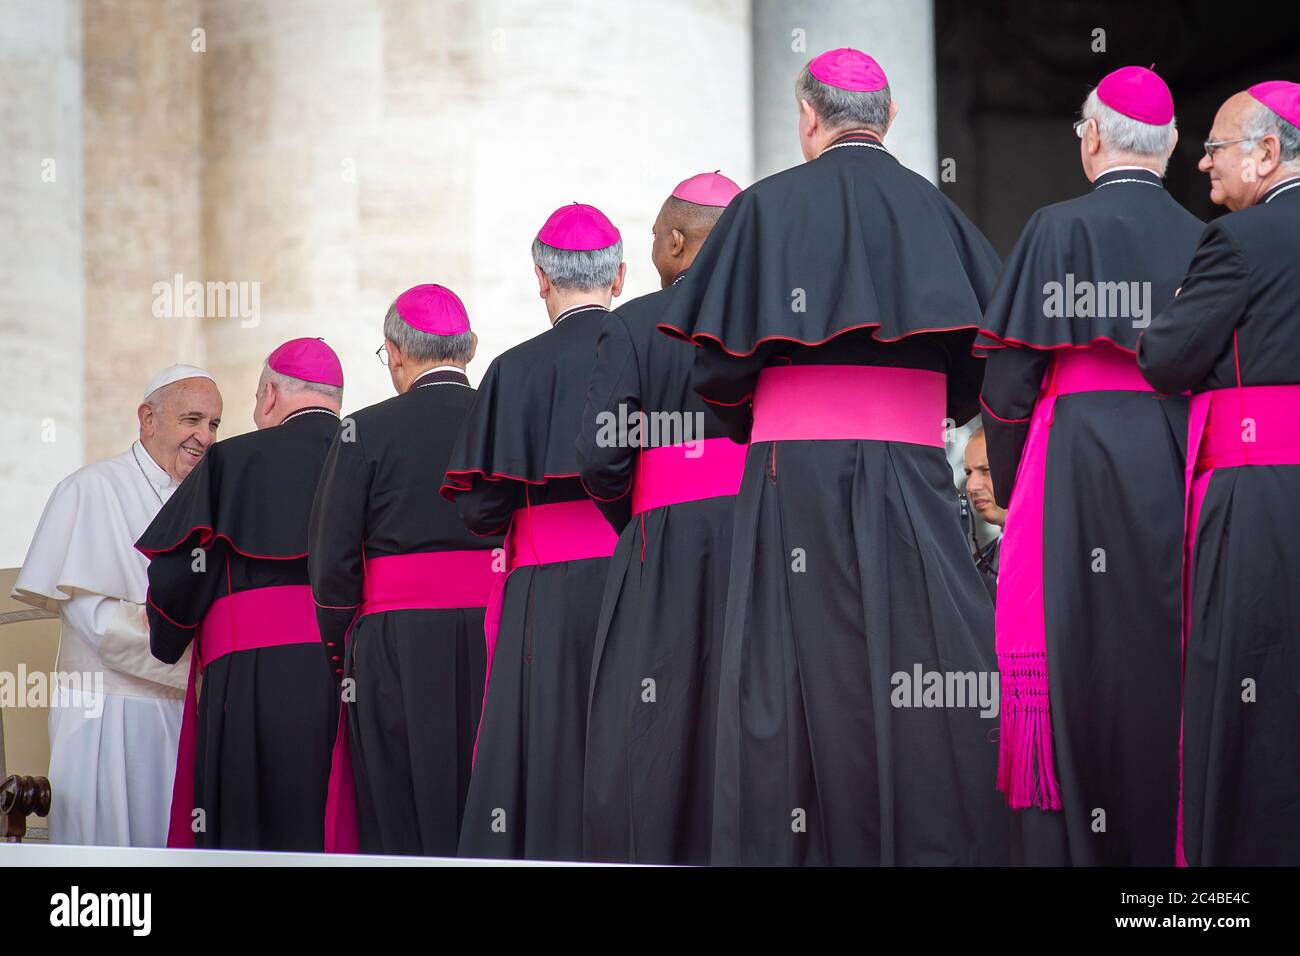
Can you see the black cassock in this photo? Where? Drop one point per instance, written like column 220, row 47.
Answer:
column 418, row 662
column 849, row 569
column 228, row 565
column 1232, row 336
column 1112, row 480
column 512, row 470
column 649, row 773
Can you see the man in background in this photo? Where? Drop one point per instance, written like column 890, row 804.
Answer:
column 979, row 491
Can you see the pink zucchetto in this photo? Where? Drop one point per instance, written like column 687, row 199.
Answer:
column 434, row 309
column 849, row 69
column 578, row 228
column 707, row 189
column 309, row 360
column 1137, row 93
column 1281, row 96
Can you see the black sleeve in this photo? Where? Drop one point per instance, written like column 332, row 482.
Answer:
column 1189, row 335
column 964, row 380
column 336, row 539
column 727, row 383
column 183, row 584
column 607, row 465
column 486, row 508
column 1013, row 378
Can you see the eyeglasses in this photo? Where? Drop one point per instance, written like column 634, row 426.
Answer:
column 381, row 353
column 1080, row 126
column 1213, row 146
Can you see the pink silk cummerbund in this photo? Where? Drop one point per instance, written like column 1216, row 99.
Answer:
column 1255, row 425
column 428, row 580
column 1097, row 368
column 243, row 621
column 564, row 531
column 1229, row 428
column 545, row 534
column 672, row 474
column 256, row 619
column 850, row 403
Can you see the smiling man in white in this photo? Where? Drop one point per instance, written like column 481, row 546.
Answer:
column 111, row 766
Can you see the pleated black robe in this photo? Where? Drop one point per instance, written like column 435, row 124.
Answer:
column 1234, row 323
column 516, row 451
column 850, row 259
column 417, row 673
column 265, row 716
column 1113, row 481
column 649, row 768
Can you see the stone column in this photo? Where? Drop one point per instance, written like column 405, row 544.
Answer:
column 143, row 134
column 354, row 149
column 42, row 310
column 898, row 33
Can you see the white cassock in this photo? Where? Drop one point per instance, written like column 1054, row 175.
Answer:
column 110, row 772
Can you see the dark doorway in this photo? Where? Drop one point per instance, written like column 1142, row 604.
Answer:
column 1012, row 75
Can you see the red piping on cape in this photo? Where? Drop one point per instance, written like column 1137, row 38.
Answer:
column 1003, row 342
column 729, row 404
column 1009, row 421
column 591, row 494
column 148, row 596
column 674, row 332
column 206, row 539
column 450, row 485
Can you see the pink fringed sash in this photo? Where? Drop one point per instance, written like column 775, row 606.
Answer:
column 1026, row 765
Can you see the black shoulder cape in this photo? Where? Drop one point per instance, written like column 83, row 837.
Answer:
column 851, row 240
column 254, row 491
column 528, row 409
column 1127, row 230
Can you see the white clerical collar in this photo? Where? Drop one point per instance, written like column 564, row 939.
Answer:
column 1285, row 185
column 1098, row 182
column 153, row 472
column 574, row 311
column 460, row 373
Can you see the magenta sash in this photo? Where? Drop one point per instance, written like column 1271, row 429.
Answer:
column 673, row 474
column 1229, row 428
column 545, row 534
column 243, row 621
column 1026, row 765
column 850, row 403
column 399, row 582
column 429, row 579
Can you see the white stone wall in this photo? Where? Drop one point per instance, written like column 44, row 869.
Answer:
column 143, row 136
column 353, row 149
column 42, row 310
column 331, row 152
column 898, row 33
